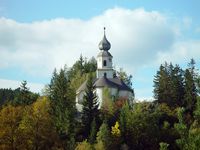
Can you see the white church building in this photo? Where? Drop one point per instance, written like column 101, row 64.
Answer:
column 105, row 78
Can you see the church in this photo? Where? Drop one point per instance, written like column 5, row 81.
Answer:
column 105, row 78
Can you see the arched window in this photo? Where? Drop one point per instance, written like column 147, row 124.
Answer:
column 104, row 63
column 105, row 74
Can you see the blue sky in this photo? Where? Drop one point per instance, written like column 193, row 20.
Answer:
column 38, row 35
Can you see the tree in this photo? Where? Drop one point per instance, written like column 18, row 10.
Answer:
column 104, row 136
column 142, row 127
column 10, row 117
column 198, row 84
column 24, row 96
column 168, row 85
column 90, row 66
column 93, row 132
column 115, row 130
column 124, row 116
column 62, row 103
column 90, row 106
column 8, row 95
column 163, row 146
column 190, row 96
column 189, row 135
column 84, row 146
column 116, row 136
column 77, row 80
column 36, row 126
column 177, row 86
column 125, row 77
column 107, row 108
column 83, row 67
column 161, row 85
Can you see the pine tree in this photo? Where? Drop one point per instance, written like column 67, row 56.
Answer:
column 198, row 84
column 90, row 106
column 168, row 85
column 24, row 96
column 177, row 87
column 190, row 91
column 62, row 103
column 93, row 132
column 161, row 85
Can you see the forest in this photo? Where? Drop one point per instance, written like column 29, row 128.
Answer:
column 50, row 121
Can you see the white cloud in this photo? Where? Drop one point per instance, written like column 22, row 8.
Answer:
column 138, row 37
column 13, row 84
column 38, row 47
column 181, row 52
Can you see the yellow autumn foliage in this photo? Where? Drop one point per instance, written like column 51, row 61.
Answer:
column 115, row 130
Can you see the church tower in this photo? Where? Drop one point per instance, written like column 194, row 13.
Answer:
column 104, row 59
column 105, row 79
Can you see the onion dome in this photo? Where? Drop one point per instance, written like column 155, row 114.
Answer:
column 104, row 44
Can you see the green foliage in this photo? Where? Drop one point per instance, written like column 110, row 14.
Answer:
column 36, row 126
column 99, row 146
column 197, row 110
column 163, row 146
column 124, row 116
column 82, row 66
column 90, row 106
column 189, row 135
column 93, row 132
column 142, row 127
column 49, row 123
column 107, row 108
column 10, row 117
column 104, row 136
column 77, row 80
column 8, row 95
column 198, row 84
column 62, row 103
column 84, row 146
column 24, row 97
column 19, row 96
column 125, row 77
column 168, row 85
column 190, row 91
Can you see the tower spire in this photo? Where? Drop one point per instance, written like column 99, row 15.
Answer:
column 104, row 43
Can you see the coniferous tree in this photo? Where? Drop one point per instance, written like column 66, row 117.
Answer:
column 161, row 85
column 82, row 66
column 190, row 91
column 93, row 132
column 177, row 87
column 24, row 96
column 168, row 85
column 90, row 106
column 62, row 103
column 198, row 84
column 190, row 96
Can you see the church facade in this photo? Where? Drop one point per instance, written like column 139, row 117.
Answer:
column 105, row 78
